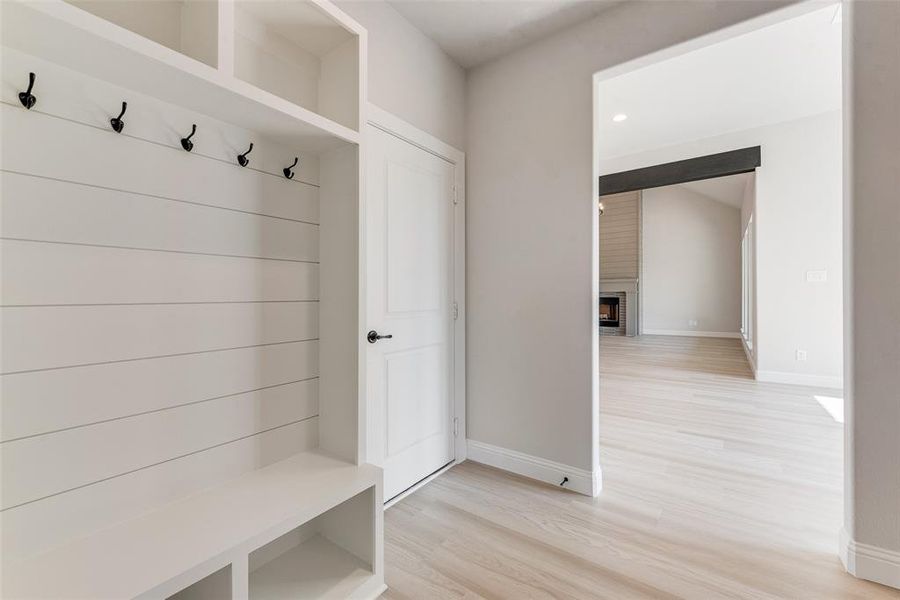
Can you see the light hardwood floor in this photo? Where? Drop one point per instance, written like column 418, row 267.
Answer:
column 714, row 486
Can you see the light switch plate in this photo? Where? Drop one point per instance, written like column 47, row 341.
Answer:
column 816, row 276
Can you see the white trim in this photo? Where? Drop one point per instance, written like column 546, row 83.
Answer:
column 726, row 33
column 389, row 123
column 340, row 16
column 870, row 562
column 749, row 352
column 703, row 41
column 419, row 485
column 821, row 381
column 362, row 368
column 580, row 480
column 639, row 329
column 709, row 39
column 408, row 132
column 692, row 333
column 370, row 592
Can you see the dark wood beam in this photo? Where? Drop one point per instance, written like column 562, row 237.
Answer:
column 682, row 171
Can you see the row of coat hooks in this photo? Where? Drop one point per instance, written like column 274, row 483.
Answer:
column 28, row 100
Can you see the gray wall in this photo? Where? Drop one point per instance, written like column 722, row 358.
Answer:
column 409, row 75
column 691, row 263
column 530, row 223
column 872, row 156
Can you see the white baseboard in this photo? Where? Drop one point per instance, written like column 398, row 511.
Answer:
column 749, row 354
column 580, row 480
column 821, row 381
column 370, row 591
column 691, row 333
column 870, row 562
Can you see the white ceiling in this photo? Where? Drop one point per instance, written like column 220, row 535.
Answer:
column 475, row 31
column 783, row 72
column 728, row 190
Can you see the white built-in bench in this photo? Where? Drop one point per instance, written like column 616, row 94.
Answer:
column 305, row 527
column 176, row 319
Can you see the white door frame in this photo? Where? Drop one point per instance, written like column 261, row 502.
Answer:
column 399, row 128
column 766, row 19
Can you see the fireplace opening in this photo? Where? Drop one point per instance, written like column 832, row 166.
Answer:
column 609, row 312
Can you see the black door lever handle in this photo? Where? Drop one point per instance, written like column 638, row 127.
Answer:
column 373, row 337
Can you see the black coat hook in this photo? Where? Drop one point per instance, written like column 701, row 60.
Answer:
column 27, row 98
column 186, row 143
column 242, row 158
column 287, row 171
column 116, row 122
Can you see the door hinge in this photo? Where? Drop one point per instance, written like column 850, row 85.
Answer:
column 455, row 426
column 455, row 311
column 455, row 194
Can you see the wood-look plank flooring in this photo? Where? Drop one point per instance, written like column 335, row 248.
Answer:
column 714, row 486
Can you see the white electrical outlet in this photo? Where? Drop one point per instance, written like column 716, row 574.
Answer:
column 816, row 276
column 692, row 323
column 801, row 354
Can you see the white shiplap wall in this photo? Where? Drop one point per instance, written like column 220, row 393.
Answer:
column 159, row 308
column 620, row 236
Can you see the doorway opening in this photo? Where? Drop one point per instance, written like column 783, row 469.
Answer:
column 719, row 188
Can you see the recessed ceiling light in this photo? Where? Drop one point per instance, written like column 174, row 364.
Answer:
column 620, row 117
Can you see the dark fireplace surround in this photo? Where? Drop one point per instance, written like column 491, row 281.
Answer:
column 609, row 312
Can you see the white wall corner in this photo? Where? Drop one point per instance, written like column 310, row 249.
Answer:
column 596, row 481
column 869, row 562
column 749, row 353
column 821, row 381
column 582, row 481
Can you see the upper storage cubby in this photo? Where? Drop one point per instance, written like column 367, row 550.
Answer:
column 289, row 70
column 186, row 26
column 298, row 51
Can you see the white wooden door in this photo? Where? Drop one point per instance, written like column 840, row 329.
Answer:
column 409, row 214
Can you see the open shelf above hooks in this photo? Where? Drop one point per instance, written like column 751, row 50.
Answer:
column 238, row 84
column 297, row 52
column 190, row 28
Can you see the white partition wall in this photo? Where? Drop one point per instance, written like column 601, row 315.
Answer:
column 180, row 354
